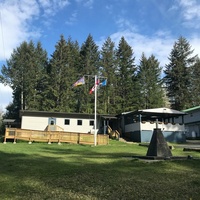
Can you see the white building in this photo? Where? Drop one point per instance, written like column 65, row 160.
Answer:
column 138, row 125
column 192, row 122
column 69, row 122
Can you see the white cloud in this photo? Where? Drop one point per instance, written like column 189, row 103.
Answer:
column 123, row 24
column 86, row 3
column 16, row 26
column 72, row 19
column 6, row 96
column 15, row 17
column 16, row 21
column 190, row 12
column 194, row 42
column 159, row 46
column 51, row 7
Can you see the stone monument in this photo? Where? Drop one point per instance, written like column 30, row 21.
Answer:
column 158, row 146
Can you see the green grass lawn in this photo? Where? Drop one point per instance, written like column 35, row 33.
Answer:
column 42, row 171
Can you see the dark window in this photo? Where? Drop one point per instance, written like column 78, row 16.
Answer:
column 128, row 119
column 79, row 122
column 67, row 122
column 91, row 122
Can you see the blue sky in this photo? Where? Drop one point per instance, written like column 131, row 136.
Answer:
column 149, row 26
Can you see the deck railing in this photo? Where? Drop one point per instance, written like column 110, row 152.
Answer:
column 53, row 136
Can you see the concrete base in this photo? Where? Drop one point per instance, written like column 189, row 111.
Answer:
column 163, row 158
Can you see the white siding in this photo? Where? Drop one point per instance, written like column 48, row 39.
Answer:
column 40, row 123
column 73, row 127
column 151, row 126
column 34, row 123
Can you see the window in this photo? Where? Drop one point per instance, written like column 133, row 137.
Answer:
column 91, row 122
column 79, row 122
column 67, row 122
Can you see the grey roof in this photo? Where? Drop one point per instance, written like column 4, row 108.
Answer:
column 158, row 113
column 162, row 111
column 60, row 114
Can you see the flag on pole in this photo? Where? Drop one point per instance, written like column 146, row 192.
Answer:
column 104, row 83
column 93, row 88
column 81, row 81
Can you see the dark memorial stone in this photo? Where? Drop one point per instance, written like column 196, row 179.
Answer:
column 158, row 146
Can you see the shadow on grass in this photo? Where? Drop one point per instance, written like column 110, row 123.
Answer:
column 82, row 172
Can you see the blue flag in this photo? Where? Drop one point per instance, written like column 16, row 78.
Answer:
column 104, row 83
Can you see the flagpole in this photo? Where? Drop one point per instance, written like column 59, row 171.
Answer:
column 96, row 83
column 95, row 110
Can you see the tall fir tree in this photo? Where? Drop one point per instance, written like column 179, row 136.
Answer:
column 125, row 76
column 195, row 83
column 150, row 82
column 39, row 78
column 89, row 66
column 177, row 74
column 20, row 73
column 108, row 69
column 62, row 64
column 73, row 60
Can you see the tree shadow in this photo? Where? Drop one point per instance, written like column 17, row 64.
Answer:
column 85, row 173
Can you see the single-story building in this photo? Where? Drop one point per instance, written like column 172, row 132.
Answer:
column 192, row 122
column 138, row 125
column 69, row 122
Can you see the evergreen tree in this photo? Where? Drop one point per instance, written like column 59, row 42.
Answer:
column 177, row 74
column 108, row 70
column 38, row 78
column 149, row 76
column 73, row 60
column 195, row 84
column 89, row 65
column 125, row 76
column 20, row 74
column 60, row 76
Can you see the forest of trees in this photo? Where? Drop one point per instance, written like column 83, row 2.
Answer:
column 45, row 84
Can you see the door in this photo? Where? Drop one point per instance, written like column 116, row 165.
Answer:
column 52, row 121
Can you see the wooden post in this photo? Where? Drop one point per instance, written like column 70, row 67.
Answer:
column 15, row 136
column 6, row 131
column 49, row 140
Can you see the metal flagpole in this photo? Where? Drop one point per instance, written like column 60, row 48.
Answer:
column 95, row 110
column 96, row 83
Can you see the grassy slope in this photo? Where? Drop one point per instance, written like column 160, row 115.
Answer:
column 41, row 171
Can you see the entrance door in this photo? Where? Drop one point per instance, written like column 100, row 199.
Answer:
column 52, row 121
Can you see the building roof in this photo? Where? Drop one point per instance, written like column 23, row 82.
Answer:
column 162, row 111
column 158, row 112
column 61, row 114
column 191, row 109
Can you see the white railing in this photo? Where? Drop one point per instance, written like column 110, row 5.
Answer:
column 145, row 125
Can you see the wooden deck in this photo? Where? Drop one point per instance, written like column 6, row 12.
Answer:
column 54, row 136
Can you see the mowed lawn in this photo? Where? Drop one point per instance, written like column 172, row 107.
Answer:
column 67, row 171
